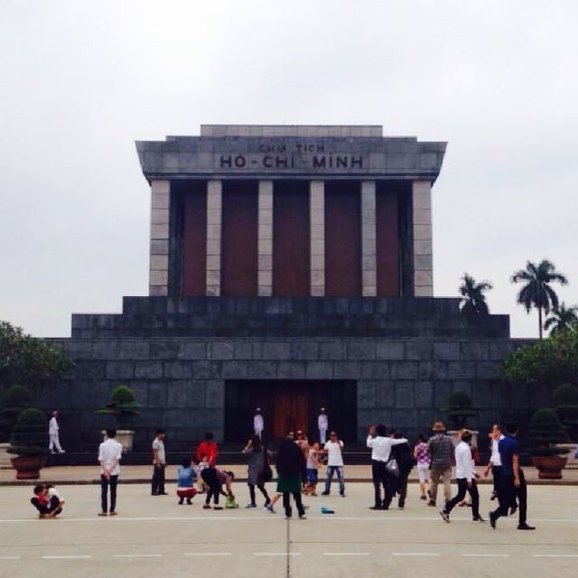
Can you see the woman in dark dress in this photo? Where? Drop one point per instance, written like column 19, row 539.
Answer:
column 290, row 470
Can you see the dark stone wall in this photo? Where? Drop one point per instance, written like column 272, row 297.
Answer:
column 180, row 382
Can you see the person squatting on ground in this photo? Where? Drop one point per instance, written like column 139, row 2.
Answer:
column 47, row 501
column 290, row 473
column 381, row 446
column 466, row 479
column 512, row 483
column 215, row 480
column 109, row 455
column 186, row 476
column 402, row 454
column 440, row 448
column 333, row 449
column 423, row 463
column 159, row 464
column 258, row 460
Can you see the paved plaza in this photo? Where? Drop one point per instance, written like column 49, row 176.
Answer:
column 154, row 536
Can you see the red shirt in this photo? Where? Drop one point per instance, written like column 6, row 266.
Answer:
column 209, row 450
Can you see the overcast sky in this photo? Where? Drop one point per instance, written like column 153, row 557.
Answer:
column 81, row 81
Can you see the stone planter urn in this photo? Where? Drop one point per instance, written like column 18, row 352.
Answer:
column 28, row 467
column 549, row 467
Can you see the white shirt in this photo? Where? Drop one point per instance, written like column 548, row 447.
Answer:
column 258, row 422
column 333, row 449
column 322, row 421
column 464, row 462
column 159, row 446
column 109, row 454
column 52, row 426
column 495, row 458
column 381, row 447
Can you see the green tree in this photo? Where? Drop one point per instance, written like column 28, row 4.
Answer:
column 551, row 361
column 562, row 319
column 474, row 300
column 29, row 361
column 537, row 291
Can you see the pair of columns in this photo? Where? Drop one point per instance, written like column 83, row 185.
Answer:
column 422, row 238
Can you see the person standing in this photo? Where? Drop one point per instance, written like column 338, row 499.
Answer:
column 159, row 464
column 423, row 462
column 258, row 459
column 440, row 448
column 109, row 455
column 258, row 423
column 381, row 446
column 495, row 463
column 53, row 435
column 466, row 479
column 333, row 449
column 290, row 470
column 401, row 453
column 322, row 424
column 513, row 482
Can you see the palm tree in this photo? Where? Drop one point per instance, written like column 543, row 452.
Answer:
column 474, row 300
column 562, row 318
column 537, row 291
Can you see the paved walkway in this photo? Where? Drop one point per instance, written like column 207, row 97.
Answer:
column 69, row 475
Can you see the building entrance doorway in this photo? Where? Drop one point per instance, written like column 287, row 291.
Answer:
column 289, row 405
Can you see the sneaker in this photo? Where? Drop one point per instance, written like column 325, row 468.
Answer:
column 324, row 493
column 401, row 507
column 251, row 506
column 423, row 498
column 181, row 501
column 479, row 520
column 431, row 504
column 189, row 502
column 302, row 517
column 269, row 508
column 62, row 452
column 217, row 507
column 492, row 520
column 112, row 514
column 445, row 516
column 101, row 514
column 206, row 506
column 526, row 527
column 378, row 507
column 342, row 494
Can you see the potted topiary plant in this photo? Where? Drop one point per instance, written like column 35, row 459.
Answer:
column 12, row 402
column 29, row 440
column 124, row 406
column 546, row 431
column 459, row 409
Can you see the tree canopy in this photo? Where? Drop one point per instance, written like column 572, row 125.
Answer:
column 474, row 300
column 562, row 318
column 29, row 361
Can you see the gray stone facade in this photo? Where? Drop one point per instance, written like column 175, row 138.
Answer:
column 403, row 380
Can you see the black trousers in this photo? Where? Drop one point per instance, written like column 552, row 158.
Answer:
column 401, row 487
column 105, row 483
column 298, row 503
column 382, row 479
column 158, row 481
column 507, row 494
column 496, row 476
column 262, row 489
column 462, row 489
column 214, row 486
column 46, row 508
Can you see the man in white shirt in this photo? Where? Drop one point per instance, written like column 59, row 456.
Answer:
column 53, row 435
column 258, row 423
column 381, row 446
column 466, row 479
column 109, row 454
column 334, row 464
column 159, row 464
column 495, row 463
column 322, row 424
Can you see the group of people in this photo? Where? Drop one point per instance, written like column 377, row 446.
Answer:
column 298, row 463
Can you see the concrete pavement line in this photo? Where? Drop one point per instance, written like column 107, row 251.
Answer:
column 276, row 553
column 10, row 558
column 346, row 554
column 485, row 555
column 195, row 554
column 71, row 557
column 137, row 555
column 555, row 555
column 415, row 554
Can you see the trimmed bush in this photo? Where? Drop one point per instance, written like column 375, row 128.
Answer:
column 14, row 400
column 546, row 430
column 30, row 434
column 123, row 405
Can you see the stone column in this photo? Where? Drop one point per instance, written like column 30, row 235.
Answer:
column 265, row 258
column 368, row 240
column 159, row 248
column 422, row 240
column 214, row 230
column 317, row 237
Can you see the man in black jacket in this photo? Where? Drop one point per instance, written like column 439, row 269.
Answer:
column 404, row 458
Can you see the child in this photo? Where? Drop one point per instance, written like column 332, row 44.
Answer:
column 200, row 465
column 186, row 482
column 313, row 456
column 47, row 501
